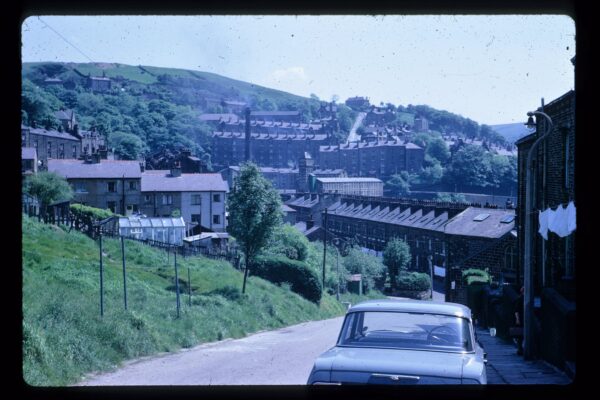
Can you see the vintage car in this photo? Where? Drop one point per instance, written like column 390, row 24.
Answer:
column 403, row 342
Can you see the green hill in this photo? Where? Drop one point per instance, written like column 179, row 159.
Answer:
column 64, row 336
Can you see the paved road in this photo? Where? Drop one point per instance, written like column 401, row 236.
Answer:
column 352, row 136
column 281, row 357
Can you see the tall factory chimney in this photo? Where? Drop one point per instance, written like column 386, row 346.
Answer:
column 248, row 134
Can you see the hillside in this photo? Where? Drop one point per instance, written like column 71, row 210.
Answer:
column 511, row 132
column 64, row 336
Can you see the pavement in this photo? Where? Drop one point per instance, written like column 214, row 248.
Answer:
column 506, row 367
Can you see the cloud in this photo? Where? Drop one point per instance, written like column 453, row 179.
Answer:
column 288, row 75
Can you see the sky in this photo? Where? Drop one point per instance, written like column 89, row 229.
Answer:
column 492, row 69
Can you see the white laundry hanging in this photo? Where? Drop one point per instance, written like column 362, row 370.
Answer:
column 543, row 222
column 571, row 217
column 560, row 222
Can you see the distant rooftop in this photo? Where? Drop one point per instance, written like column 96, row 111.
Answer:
column 349, row 180
column 474, row 222
column 50, row 133
column 163, row 182
column 78, row 169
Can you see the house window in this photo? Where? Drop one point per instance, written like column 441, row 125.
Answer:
column 49, row 150
column 61, row 150
column 216, row 198
column 112, row 187
column 74, row 151
column 80, row 187
column 167, row 199
column 112, row 206
column 197, row 218
column 132, row 185
column 196, row 199
column 216, row 219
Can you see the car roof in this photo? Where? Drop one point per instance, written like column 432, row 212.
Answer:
column 418, row 306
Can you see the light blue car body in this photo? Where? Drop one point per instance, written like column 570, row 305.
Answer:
column 372, row 365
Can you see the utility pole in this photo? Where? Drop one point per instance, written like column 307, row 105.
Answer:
column 529, row 235
column 337, row 268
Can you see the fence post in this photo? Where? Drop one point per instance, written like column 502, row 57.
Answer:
column 189, row 287
column 176, row 281
column 101, row 278
column 124, row 275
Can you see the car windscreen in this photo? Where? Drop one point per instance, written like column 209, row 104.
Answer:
column 403, row 330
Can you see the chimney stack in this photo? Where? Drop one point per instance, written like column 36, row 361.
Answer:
column 176, row 170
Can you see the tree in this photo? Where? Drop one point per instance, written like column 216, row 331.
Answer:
column 47, row 187
column 451, row 197
column 127, row 146
column 288, row 241
column 254, row 212
column 470, row 166
column 396, row 257
column 438, row 149
column 399, row 184
column 371, row 269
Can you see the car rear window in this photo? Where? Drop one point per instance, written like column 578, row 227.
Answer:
column 400, row 330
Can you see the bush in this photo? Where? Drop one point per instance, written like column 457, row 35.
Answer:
column 87, row 212
column 416, row 281
column 302, row 279
column 475, row 276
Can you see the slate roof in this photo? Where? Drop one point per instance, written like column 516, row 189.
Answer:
column 491, row 227
column 184, row 183
column 349, row 180
column 362, row 145
column 273, row 113
column 327, row 172
column 28, row 153
column 304, row 202
column 78, row 169
column 392, row 214
column 269, row 169
column 50, row 133
column 304, row 135
column 219, row 117
column 64, row 114
column 287, row 209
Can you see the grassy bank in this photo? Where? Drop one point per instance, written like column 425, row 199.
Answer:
column 64, row 336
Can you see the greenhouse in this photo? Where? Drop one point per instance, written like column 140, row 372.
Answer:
column 165, row 230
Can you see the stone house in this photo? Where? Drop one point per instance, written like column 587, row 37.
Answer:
column 106, row 184
column 50, row 144
column 553, row 260
column 200, row 198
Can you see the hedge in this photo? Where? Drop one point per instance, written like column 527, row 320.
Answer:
column 279, row 269
column 416, row 281
column 93, row 213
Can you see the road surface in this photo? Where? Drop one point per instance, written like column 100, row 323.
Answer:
column 281, row 357
column 352, row 136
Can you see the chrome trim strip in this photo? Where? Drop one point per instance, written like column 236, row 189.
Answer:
column 396, row 377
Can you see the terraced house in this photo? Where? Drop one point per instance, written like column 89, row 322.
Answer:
column 443, row 237
column 199, row 198
column 106, row 184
